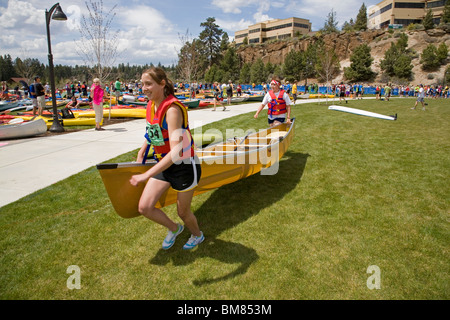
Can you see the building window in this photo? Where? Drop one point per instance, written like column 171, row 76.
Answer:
column 256, row 40
column 384, row 9
column 301, row 25
column 385, row 24
column 284, row 36
column 281, row 26
column 242, row 35
column 254, row 30
column 407, row 22
column 436, row 4
column 409, row 5
column 270, row 38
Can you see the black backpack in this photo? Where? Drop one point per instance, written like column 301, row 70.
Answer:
column 67, row 113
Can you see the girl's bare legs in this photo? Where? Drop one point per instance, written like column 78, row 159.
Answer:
column 184, row 212
column 150, row 196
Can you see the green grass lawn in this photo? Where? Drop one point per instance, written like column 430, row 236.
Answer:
column 350, row 193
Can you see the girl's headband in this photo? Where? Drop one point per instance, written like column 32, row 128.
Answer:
column 275, row 82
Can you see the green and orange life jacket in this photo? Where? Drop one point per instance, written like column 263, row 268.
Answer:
column 158, row 117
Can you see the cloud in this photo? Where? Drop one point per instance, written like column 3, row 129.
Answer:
column 317, row 10
column 146, row 34
column 18, row 14
column 238, row 6
column 233, row 25
column 149, row 36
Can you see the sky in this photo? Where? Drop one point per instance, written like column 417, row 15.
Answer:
column 148, row 31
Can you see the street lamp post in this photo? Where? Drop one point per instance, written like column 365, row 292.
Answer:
column 58, row 15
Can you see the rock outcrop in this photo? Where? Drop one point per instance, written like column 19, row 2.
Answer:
column 345, row 42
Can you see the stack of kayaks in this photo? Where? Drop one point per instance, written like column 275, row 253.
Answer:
column 6, row 105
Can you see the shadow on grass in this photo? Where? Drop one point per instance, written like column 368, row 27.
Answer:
column 230, row 206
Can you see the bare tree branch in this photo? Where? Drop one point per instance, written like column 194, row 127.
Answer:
column 98, row 46
column 188, row 57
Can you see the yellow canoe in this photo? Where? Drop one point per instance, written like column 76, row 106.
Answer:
column 321, row 96
column 115, row 113
column 222, row 163
column 65, row 122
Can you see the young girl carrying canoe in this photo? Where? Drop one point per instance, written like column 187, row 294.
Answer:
column 178, row 166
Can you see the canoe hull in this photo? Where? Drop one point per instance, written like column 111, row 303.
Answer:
column 220, row 165
column 23, row 130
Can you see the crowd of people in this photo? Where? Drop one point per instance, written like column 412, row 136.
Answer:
column 221, row 92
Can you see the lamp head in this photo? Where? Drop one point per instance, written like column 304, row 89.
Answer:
column 59, row 14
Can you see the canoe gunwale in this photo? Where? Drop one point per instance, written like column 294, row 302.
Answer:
column 240, row 153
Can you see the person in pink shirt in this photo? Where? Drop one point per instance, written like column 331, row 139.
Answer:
column 97, row 93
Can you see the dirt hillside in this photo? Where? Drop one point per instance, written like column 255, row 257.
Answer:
column 344, row 44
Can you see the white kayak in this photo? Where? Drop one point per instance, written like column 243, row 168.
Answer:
column 362, row 112
column 21, row 129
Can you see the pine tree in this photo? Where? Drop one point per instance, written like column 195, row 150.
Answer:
column 403, row 67
column 428, row 20
column 361, row 19
column 360, row 67
column 447, row 75
column 402, row 43
column 244, row 76
column 331, row 23
column 210, row 75
column 442, row 53
column 230, row 63
column 348, row 26
column 211, row 37
column 446, row 13
column 7, row 70
column 310, row 61
column 293, row 65
column 225, row 42
column 390, row 56
column 397, row 59
column 269, row 69
column 257, row 71
column 429, row 58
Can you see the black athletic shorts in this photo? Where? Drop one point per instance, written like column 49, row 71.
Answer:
column 184, row 176
column 282, row 120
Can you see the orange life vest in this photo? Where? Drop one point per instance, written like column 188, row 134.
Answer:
column 158, row 117
column 277, row 105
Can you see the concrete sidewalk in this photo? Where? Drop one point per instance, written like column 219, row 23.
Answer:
column 28, row 165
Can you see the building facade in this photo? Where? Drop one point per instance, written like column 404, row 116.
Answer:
column 273, row 30
column 403, row 12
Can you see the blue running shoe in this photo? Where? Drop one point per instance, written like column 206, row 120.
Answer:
column 193, row 242
column 171, row 236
